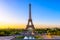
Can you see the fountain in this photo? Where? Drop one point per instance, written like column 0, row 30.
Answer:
column 29, row 37
column 26, row 37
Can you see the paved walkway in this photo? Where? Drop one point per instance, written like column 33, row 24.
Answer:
column 6, row 37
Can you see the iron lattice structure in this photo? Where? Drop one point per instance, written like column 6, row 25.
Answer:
column 30, row 23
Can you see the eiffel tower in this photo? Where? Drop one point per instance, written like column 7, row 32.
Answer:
column 30, row 23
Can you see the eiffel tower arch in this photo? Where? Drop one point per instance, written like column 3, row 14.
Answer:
column 30, row 23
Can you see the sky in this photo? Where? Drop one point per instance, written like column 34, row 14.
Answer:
column 15, row 12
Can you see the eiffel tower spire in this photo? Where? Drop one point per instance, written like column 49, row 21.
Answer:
column 30, row 23
column 29, row 11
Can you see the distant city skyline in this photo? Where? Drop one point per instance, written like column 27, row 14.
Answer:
column 15, row 12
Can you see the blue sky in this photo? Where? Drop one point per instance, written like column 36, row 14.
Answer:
column 43, row 11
